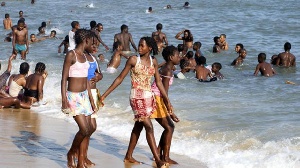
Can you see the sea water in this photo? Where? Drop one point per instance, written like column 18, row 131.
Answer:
column 241, row 121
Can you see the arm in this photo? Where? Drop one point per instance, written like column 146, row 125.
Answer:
column 27, row 41
column 91, row 96
column 278, row 60
column 129, row 64
column 103, row 43
column 59, row 47
column 132, row 43
column 165, row 40
column 40, row 86
column 256, row 70
column 9, row 66
column 178, row 35
column 65, row 75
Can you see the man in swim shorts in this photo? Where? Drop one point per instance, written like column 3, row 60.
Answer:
column 20, row 41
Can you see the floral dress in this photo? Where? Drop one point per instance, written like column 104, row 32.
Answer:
column 141, row 97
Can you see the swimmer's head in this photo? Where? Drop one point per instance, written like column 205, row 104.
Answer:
column 124, row 27
column 243, row 53
column 287, row 46
column 216, row 67
column 217, row 40
column 186, row 4
column 197, row 45
column 169, row 7
column 238, row 46
column 75, row 24
column 2, row 3
column 159, row 26
column 93, row 24
column 190, row 54
column 53, row 33
column 32, row 37
column 180, row 47
column 7, row 39
column 171, row 53
column 6, row 15
column 261, row 57
column 21, row 24
column 150, row 9
column 200, row 60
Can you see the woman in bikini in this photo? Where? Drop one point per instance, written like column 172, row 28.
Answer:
column 33, row 90
column 171, row 56
column 77, row 100
column 187, row 39
column 142, row 68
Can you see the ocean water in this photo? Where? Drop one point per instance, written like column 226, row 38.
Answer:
column 242, row 121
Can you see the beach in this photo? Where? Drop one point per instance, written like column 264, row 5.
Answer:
column 242, row 121
column 29, row 139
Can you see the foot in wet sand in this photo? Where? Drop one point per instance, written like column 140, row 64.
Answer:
column 131, row 160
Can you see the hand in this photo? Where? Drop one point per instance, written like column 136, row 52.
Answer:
column 94, row 107
column 12, row 57
column 64, row 104
column 59, row 50
column 174, row 117
column 102, row 100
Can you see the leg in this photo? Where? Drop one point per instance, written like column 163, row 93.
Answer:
column 10, row 101
column 79, row 137
column 93, row 127
column 166, row 138
column 135, row 134
column 23, row 55
column 151, row 142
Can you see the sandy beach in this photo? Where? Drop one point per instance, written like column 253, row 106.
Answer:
column 29, row 139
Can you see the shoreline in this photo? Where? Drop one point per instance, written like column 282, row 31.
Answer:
column 38, row 140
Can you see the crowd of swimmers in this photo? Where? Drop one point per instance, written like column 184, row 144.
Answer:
column 149, row 100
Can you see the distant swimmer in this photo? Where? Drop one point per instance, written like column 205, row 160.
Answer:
column 223, row 42
column 286, row 58
column 7, row 23
column 20, row 40
column 186, row 5
column 240, row 59
column 263, row 67
column 168, row 7
column 216, row 47
column 149, row 10
column 91, row 5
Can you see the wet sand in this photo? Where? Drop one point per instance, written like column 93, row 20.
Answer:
column 29, row 139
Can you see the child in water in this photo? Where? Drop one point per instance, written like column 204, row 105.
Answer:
column 142, row 68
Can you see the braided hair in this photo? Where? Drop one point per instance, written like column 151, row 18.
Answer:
column 40, row 67
column 81, row 35
column 151, row 43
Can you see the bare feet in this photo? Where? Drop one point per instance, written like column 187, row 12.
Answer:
column 71, row 160
column 89, row 163
column 161, row 164
column 170, row 161
column 131, row 160
column 174, row 117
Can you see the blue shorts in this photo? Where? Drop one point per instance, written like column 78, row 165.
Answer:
column 20, row 47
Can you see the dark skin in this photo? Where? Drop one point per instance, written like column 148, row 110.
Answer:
column 161, row 39
column 92, row 82
column 35, row 82
column 144, row 51
column 166, row 122
column 20, row 36
column 77, row 84
column 286, row 59
column 125, row 38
